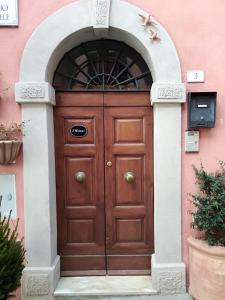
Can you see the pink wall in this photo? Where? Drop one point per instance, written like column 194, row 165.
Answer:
column 197, row 29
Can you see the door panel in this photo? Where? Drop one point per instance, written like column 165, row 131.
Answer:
column 129, row 205
column 135, row 133
column 129, row 194
column 80, row 194
column 79, row 99
column 80, row 205
column 126, row 98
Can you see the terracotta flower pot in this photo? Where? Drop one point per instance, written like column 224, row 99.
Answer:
column 9, row 151
column 207, row 270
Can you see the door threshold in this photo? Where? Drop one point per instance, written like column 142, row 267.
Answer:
column 104, row 286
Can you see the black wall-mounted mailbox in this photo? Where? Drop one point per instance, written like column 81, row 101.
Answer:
column 201, row 109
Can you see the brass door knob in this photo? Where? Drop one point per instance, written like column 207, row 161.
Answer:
column 129, row 177
column 109, row 163
column 80, row 176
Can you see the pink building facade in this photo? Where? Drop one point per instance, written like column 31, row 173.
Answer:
column 190, row 37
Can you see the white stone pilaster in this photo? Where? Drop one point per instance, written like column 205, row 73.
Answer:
column 42, row 271
column 168, row 271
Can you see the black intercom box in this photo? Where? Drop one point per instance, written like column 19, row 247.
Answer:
column 201, row 109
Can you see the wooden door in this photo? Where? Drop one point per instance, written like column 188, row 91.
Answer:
column 80, row 205
column 105, row 223
column 129, row 204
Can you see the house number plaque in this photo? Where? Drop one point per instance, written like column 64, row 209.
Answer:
column 78, row 130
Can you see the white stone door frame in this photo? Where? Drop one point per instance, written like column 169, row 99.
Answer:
column 78, row 22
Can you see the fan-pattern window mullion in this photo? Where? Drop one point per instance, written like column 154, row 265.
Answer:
column 102, row 65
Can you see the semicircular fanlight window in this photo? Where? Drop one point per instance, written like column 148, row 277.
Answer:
column 102, row 65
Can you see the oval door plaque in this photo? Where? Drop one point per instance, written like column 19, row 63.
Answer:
column 78, row 130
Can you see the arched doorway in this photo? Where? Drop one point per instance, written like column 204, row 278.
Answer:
column 104, row 160
column 34, row 92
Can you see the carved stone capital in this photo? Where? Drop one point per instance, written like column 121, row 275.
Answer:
column 101, row 15
column 168, row 93
column 34, row 92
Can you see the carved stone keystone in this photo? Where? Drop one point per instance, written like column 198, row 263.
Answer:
column 101, row 15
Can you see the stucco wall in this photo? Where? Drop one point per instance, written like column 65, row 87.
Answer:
column 197, row 29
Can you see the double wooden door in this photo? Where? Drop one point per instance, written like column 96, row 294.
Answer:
column 104, row 166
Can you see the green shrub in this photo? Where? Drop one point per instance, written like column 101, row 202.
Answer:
column 12, row 255
column 209, row 215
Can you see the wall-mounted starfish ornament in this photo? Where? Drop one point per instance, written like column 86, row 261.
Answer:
column 153, row 35
column 147, row 20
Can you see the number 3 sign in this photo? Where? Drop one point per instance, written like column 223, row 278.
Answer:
column 195, row 76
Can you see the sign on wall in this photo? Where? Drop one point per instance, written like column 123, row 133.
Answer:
column 8, row 12
column 196, row 76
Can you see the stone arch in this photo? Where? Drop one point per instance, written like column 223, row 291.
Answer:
column 51, row 39
column 160, row 56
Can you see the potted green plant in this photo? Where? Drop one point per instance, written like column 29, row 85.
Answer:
column 12, row 254
column 10, row 141
column 207, row 255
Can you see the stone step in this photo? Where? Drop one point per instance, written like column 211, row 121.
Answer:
column 110, row 288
